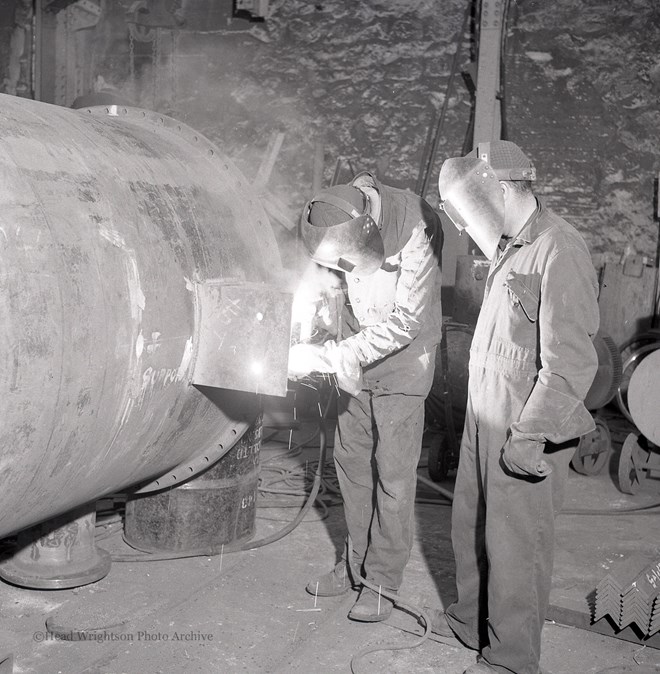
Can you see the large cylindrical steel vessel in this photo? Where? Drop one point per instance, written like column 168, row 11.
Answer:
column 108, row 220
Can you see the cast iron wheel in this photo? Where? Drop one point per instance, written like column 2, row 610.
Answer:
column 594, row 449
column 632, row 465
column 441, row 455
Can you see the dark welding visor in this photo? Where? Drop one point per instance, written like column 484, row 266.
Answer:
column 355, row 246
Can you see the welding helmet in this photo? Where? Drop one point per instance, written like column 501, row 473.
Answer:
column 339, row 232
column 470, row 192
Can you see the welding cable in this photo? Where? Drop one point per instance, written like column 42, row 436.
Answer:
column 329, row 488
column 329, row 494
column 322, row 516
column 398, row 601
column 251, row 545
column 327, row 497
column 446, row 495
column 296, row 449
column 267, row 503
column 641, row 510
column 432, row 501
column 293, row 450
column 429, row 483
column 269, row 495
column 286, row 476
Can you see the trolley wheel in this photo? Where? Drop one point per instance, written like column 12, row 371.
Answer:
column 441, row 455
column 632, row 465
column 594, row 449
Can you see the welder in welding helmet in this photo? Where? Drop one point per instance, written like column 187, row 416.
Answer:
column 471, row 194
column 386, row 242
column 339, row 231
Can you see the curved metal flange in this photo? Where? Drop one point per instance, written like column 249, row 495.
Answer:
column 187, row 469
column 158, row 120
column 68, row 576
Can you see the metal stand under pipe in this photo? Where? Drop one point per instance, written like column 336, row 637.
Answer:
column 58, row 554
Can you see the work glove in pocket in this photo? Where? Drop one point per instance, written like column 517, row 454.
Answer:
column 522, row 456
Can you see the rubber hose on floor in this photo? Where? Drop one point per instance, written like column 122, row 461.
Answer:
column 398, row 601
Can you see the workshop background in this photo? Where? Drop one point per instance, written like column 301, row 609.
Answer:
column 363, row 84
column 298, row 95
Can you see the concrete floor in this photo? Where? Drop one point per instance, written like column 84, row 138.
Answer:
column 248, row 611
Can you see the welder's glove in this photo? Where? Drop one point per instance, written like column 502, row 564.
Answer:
column 331, row 357
column 306, row 358
column 346, row 365
column 523, row 456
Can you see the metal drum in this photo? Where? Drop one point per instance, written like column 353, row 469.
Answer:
column 109, row 219
column 205, row 513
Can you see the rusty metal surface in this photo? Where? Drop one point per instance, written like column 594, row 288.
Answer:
column 108, row 219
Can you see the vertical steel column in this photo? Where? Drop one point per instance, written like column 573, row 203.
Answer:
column 487, row 117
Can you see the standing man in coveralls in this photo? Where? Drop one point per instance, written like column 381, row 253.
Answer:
column 387, row 243
column 532, row 362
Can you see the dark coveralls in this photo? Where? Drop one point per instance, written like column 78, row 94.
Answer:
column 393, row 320
column 532, row 362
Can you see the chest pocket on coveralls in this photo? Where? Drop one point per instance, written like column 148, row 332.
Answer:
column 525, row 290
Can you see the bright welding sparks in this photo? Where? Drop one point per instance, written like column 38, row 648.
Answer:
column 315, row 284
column 257, row 368
column 303, row 311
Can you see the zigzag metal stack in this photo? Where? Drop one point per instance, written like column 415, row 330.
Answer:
column 631, row 594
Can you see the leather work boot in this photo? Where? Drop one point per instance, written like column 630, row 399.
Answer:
column 332, row 584
column 439, row 624
column 371, row 607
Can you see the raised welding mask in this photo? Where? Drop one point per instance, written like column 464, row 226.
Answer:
column 470, row 191
column 339, row 232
